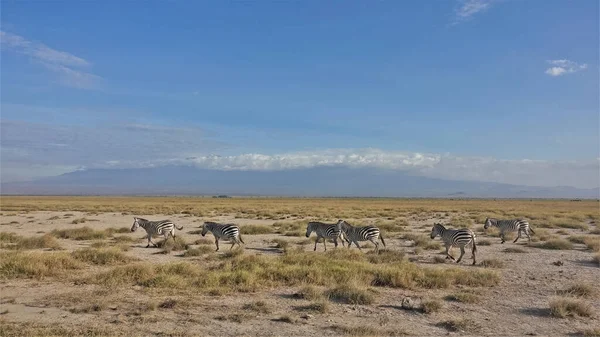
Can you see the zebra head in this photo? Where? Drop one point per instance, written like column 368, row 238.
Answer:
column 205, row 228
column 135, row 224
column 342, row 225
column 310, row 228
column 488, row 223
column 437, row 229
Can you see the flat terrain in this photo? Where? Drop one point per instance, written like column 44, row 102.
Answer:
column 70, row 266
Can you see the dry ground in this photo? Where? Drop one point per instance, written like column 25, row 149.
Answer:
column 101, row 281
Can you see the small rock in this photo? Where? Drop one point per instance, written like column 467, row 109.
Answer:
column 307, row 316
column 558, row 263
column 113, row 307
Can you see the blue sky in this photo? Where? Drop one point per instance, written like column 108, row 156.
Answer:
column 478, row 88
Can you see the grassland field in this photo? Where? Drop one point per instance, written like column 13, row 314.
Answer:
column 70, row 266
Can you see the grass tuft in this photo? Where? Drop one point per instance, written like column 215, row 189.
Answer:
column 460, row 325
column 555, row 244
column 463, row 297
column 36, row 265
column 101, row 256
column 492, row 263
column 82, row 233
column 259, row 306
column 431, row 306
column 579, row 290
column 567, row 307
column 351, row 294
column 198, row 251
column 17, row 242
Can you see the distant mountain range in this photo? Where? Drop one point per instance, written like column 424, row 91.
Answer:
column 321, row 181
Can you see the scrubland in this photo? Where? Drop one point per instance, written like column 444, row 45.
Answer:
column 75, row 261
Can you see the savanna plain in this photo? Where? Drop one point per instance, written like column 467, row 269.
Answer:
column 70, row 266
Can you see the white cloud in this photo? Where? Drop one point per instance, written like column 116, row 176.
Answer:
column 62, row 63
column 468, row 8
column 563, row 67
column 28, row 150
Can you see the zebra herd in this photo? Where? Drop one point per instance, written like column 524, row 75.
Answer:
column 344, row 231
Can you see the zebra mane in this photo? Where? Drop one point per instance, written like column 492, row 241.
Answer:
column 439, row 225
column 140, row 219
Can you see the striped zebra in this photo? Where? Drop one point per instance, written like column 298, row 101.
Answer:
column 517, row 225
column 367, row 233
column 162, row 227
column 325, row 231
column 227, row 232
column 455, row 237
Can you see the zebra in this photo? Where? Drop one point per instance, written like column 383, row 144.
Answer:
column 326, row 231
column 367, row 233
column 517, row 225
column 455, row 237
column 228, row 232
column 162, row 227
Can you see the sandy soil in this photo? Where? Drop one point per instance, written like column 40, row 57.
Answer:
column 517, row 306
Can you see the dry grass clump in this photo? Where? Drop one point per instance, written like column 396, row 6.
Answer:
column 596, row 259
column 422, row 241
column 309, row 292
column 592, row 243
column 169, row 303
column 579, row 290
column 257, row 229
column 565, row 307
column 439, row 259
column 514, row 250
column 236, row 318
column 82, row 233
column 204, row 241
column 123, row 239
column 392, row 226
column 484, row 242
column 386, row 256
column 198, row 251
column 576, row 238
column 172, row 244
column 316, row 307
column 281, row 244
column 595, row 231
column 555, row 244
column 431, row 306
column 35, row 264
column 351, row 294
column 101, row 256
column 14, row 241
column 463, row 297
column 492, row 263
column 594, row 332
column 460, row 325
column 14, row 329
column 364, row 330
column 258, row 306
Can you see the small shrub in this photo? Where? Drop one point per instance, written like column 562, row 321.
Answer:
column 351, row 295
column 259, row 306
column 463, row 297
column 460, row 325
column 320, row 307
column 82, row 233
column 492, row 263
column 439, row 259
column 431, row 306
column 281, row 244
column 101, row 256
column 514, row 250
column 592, row 243
column 285, row 319
column 556, row 244
column 565, row 307
column 168, row 304
column 309, row 292
column 256, row 229
column 198, row 251
column 579, row 290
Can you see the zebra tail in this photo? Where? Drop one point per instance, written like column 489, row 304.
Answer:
column 381, row 238
column 531, row 230
column 178, row 228
column 240, row 237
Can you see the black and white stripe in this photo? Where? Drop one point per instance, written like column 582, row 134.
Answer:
column 507, row 226
column 227, row 232
column 356, row 234
column 325, row 231
column 455, row 238
column 161, row 227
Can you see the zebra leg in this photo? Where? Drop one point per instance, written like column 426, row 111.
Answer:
column 448, row 253
column 324, row 243
column 357, row 245
column 376, row 245
column 217, row 243
column 528, row 236
column 462, row 253
column 232, row 244
column 335, row 243
column 518, row 236
column 316, row 241
column 502, row 237
column 474, row 249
